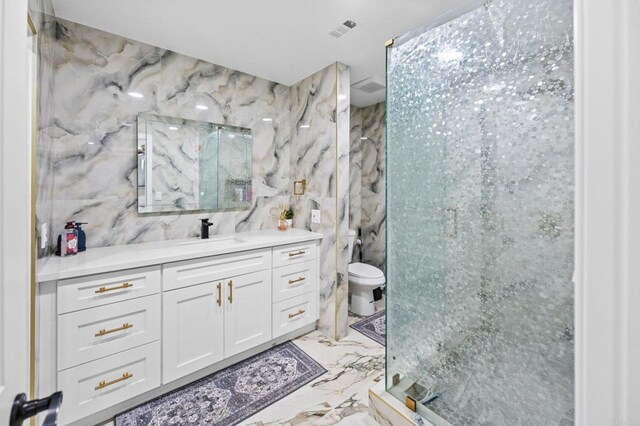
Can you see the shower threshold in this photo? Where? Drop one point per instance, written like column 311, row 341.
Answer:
column 424, row 397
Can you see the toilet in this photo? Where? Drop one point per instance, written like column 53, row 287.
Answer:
column 363, row 279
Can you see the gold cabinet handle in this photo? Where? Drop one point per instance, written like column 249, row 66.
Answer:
column 296, row 281
column 219, row 301
column 120, row 287
column 297, row 253
column 230, row 284
column 104, row 332
column 103, row 384
column 300, row 312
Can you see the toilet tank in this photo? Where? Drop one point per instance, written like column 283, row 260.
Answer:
column 352, row 241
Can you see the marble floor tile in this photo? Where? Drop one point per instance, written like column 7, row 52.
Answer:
column 354, row 364
column 340, row 396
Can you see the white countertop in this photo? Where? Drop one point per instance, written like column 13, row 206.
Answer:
column 107, row 259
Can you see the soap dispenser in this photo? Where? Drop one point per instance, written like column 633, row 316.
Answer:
column 82, row 236
column 68, row 241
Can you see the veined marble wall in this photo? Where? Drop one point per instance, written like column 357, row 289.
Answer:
column 320, row 154
column 91, row 144
column 342, row 165
column 355, row 176
column 93, row 135
column 367, row 182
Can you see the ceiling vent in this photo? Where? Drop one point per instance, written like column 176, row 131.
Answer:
column 369, row 85
column 342, row 29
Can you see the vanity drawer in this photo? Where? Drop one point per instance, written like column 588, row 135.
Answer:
column 101, row 384
column 291, row 314
column 294, row 280
column 90, row 334
column 294, row 253
column 197, row 271
column 96, row 290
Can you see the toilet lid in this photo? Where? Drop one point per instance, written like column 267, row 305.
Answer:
column 364, row 271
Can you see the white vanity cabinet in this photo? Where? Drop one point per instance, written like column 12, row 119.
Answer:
column 114, row 334
column 295, row 282
column 193, row 329
column 107, row 339
column 247, row 314
column 205, row 323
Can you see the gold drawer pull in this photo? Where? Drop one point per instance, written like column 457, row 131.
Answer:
column 219, row 300
column 104, row 332
column 103, row 384
column 230, row 297
column 120, row 287
column 298, row 253
column 300, row 312
column 296, row 281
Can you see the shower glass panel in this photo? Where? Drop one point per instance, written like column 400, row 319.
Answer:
column 480, row 136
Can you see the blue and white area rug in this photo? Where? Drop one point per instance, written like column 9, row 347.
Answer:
column 231, row 395
column 373, row 327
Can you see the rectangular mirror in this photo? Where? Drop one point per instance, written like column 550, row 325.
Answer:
column 188, row 165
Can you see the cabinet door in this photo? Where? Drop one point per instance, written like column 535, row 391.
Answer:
column 193, row 329
column 247, row 312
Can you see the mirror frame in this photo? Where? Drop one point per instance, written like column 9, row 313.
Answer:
column 172, row 209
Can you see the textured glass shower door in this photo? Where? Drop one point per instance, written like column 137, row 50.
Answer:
column 480, row 208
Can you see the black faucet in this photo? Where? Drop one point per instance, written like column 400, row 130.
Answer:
column 204, row 228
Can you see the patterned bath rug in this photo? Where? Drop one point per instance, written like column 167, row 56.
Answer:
column 373, row 327
column 231, row 395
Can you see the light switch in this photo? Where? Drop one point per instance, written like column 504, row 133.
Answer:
column 316, row 216
column 158, row 195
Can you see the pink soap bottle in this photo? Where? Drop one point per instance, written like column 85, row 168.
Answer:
column 70, row 240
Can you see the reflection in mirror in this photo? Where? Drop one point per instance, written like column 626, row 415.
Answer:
column 188, row 165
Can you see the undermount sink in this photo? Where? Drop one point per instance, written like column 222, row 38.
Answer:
column 221, row 240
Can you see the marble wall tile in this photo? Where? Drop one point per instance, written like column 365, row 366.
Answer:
column 320, row 154
column 92, row 139
column 313, row 149
column 373, row 185
column 343, row 131
column 87, row 162
column 373, row 230
column 263, row 214
column 342, row 272
column 373, row 149
column 328, row 279
column 367, row 191
column 343, row 145
column 355, row 175
column 314, row 158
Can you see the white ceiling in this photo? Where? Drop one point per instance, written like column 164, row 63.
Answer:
column 279, row 40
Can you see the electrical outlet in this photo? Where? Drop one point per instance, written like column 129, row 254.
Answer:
column 44, row 235
column 316, row 216
column 158, row 195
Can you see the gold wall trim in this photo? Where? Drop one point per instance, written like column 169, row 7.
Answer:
column 32, row 221
column 336, row 314
column 32, row 26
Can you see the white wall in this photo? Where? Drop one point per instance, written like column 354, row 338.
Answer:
column 607, row 212
column 14, row 203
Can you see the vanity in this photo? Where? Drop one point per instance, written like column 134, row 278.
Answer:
column 118, row 326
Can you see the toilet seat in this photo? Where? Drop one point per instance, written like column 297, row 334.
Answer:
column 365, row 275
